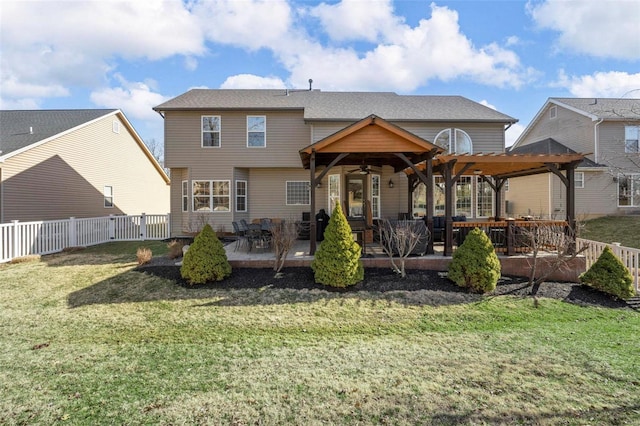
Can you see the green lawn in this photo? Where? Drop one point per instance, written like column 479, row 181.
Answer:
column 87, row 340
column 608, row 229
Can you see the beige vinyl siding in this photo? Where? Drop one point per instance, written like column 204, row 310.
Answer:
column 529, row 196
column 485, row 137
column 66, row 176
column 598, row 197
column 611, row 146
column 286, row 134
column 179, row 219
column 571, row 129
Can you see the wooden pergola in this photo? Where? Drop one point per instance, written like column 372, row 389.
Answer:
column 377, row 142
column 494, row 169
column 372, row 141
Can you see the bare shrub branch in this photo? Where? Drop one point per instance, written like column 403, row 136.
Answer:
column 400, row 238
column 283, row 237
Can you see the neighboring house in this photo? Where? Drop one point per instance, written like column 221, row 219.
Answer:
column 607, row 182
column 56, row 164
column 247, row 154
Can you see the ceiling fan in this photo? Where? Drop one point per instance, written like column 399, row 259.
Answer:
column 363, row 169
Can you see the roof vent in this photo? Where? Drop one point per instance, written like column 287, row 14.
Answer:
column 310, row 83
column 30, row 130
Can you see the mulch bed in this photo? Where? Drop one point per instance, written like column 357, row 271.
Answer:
column 437, row 289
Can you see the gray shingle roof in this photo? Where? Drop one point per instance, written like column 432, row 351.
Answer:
column 15, row 125
column 340, row 106
column 550, row 146
column 605, row 108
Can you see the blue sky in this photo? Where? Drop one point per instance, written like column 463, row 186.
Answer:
column 133, row 55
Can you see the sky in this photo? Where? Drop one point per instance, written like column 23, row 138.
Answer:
column 133, row 55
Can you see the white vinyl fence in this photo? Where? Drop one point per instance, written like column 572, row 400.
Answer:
column 19, row 239
column 630, row 257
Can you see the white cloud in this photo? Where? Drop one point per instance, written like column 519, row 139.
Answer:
column 252, row 24
column 602, row 28
column 487, row 104
column 357, row 19
column 612, row 84
column 513, row 133
column 76, row 43
column 250, row 81
column 411, row 57
column 135, row 99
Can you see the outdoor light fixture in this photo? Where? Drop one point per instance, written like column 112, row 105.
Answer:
column 477, row 172
column 319, row 185
column 390, row 183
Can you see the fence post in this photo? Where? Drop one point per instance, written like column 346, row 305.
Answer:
column 16, row 240
column 112, row 227
column 143, row 226
column 73, row 232
column 168, row 235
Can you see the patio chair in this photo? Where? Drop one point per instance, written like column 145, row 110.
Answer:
column 241, row 236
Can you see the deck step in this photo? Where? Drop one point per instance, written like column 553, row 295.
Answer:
column 634, row 303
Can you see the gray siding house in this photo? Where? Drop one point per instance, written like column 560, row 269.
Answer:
column 236, row 154
column 607, row 181
column 56, row 164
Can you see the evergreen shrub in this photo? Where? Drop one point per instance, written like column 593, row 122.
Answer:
column 206, row 259
column 337, row 262
column 608, row 274
column 475, row 264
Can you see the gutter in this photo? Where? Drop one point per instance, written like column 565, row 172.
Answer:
column 595, row 139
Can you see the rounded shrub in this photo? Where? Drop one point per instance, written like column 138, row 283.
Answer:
column 206, row 259
column 337, row 262
column 608, row 274
column 475, row 264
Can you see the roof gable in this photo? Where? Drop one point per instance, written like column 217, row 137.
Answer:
column 21, row 129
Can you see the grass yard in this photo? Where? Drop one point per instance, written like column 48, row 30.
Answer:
column 608, row 229
column 137, row 349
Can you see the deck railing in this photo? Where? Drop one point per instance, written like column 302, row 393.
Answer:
column 18, row 239
column 630, row 257
column 509, row 236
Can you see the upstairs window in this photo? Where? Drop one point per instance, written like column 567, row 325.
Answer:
column 256, row 131
column 211, row 131
column 631, row 137
column 553, row 112
column 108, row 197
column 454, row 141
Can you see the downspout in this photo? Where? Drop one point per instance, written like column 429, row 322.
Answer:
column 595, row 139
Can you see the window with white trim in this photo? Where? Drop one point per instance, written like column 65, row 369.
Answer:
column 455, row 141
column 484, row 199
column 439, row 198
column 334, row 191
column 464, row 196
column 211, row 125
column 578, row 180
column 256, row 131
column 631, row 139
column 211, row 196
column 629, row 190
column 108, row 196
column 115, row 126
column 298, row 193
column 553, row 112
column 241, row 195
column 375, row 196
column 185, row 195
column 506, row 185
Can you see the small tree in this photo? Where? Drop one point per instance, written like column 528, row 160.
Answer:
column 475, row 264
column 400, row 238
column 283, row 237
column 337, row 262
column 552, row 248
column 206, row 259
column 608, row 274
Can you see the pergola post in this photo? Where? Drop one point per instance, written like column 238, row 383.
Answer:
column 312, row 206
column 449, row 198
column 429, row 203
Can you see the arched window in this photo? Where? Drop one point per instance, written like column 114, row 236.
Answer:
column 460, row 144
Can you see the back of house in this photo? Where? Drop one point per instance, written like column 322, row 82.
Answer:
column 244, row 154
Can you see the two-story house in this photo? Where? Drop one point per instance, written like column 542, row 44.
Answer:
column 55, row 164
column 607, row 182
column 247, row 154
